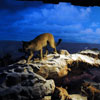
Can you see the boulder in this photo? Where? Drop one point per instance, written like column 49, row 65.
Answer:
column 64, row 52
column 92, row 53
column 78, row 97
column 25, row 86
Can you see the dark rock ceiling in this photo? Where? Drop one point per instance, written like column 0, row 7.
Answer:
column 73, row 2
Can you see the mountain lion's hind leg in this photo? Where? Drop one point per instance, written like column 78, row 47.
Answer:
column 52, row 44
column 55, row 51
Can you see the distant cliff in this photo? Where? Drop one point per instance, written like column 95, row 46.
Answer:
column 12, row 47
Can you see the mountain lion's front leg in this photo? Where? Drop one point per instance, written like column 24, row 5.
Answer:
column 30, row 57
column 41, row 54
column 46, row 51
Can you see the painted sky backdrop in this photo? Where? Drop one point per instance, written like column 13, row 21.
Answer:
column 24, row 20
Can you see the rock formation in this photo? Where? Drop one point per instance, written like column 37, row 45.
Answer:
column 23, row 84
column 37, row 80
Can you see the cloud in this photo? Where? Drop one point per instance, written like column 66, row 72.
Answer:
column 91, row 31
column 59, row 14
column 62, row 20
column 87, row 31
column 60, row 17
column 94, row 24
column 85, row 12
column 90, row 35
column 98, row 31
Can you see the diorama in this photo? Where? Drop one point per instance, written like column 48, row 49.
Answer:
column 49, row 50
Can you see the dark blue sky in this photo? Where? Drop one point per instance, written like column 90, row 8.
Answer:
column 23, row 20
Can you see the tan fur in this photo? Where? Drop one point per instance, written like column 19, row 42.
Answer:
column 91, row 89
column 38, row 43
column 64, row 71
column 60, row 94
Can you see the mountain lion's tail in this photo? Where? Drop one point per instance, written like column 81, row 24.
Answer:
column 59, row 41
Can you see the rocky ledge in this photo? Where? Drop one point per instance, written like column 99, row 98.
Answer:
column 52, row 77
